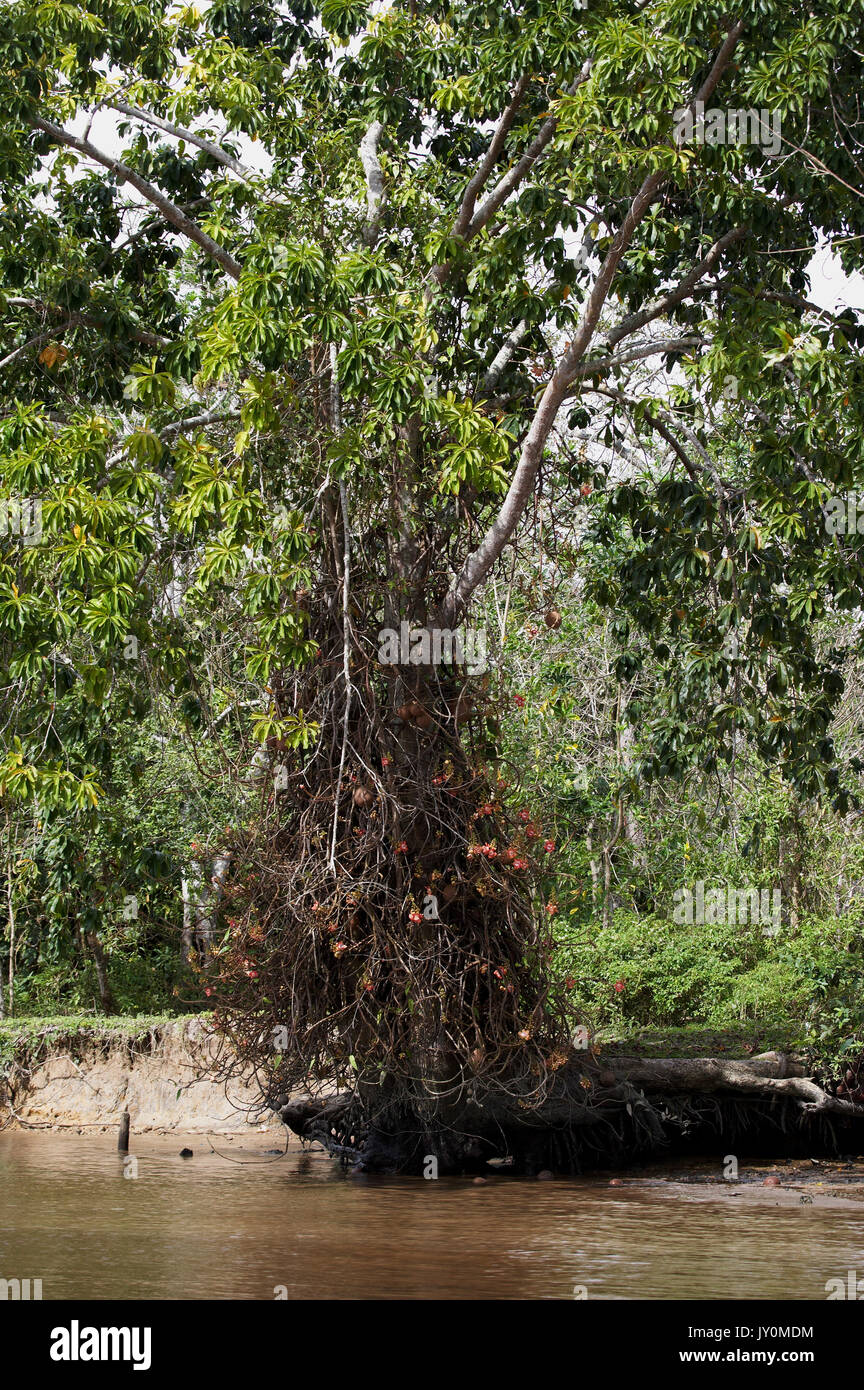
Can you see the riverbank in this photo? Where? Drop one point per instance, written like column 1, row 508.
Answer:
column 177, row 1076
column 169, row 1074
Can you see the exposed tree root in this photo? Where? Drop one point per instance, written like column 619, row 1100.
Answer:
column 770, row 1075
column 613, row 1112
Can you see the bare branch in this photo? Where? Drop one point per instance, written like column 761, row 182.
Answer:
column 602, row 366
column 169, row 210
column 490, row 159
column 503, row 356
column 190, row 136
column 517, row 175
column 191, row 422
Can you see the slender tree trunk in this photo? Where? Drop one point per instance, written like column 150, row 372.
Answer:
column 593, row 864
column 208, row 904
column 186, row 936
column 10, row 909
column 106, row 997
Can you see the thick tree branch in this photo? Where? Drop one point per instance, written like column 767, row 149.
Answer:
column 503, row 356
column 602, row 366
column 490, row 159
column 76, row 319
column 511, row 180
column 181, row 133
column 520, row 170
column 169, row 210
column 31, row 342
column 674, row 297
column 772, row 1074
column 374, row 182
column 480, row 562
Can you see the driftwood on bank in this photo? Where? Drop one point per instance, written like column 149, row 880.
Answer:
column 614, row 1109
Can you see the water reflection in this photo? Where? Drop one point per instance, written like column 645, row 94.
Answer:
column 242, row 1223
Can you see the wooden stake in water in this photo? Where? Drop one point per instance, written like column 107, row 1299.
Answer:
column 123, row 1137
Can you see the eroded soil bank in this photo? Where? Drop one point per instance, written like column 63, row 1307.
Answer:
column 178, row 1076
column 168, row 1076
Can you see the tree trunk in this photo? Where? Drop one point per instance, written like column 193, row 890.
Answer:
column 10, row 911
column 106, row 997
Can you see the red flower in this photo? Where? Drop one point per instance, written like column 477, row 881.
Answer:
column 415, row 916
column 525, row 814
column 552, row 909
column 619, row 985
column 402, row 847
column 519, row 701
column 549, row 846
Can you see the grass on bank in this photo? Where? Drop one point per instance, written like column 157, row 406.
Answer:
column 641, row 985
column 30, row 1035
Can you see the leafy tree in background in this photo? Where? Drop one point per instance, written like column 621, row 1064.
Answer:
column 303, row 307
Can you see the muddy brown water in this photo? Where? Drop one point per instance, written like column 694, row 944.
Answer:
column 241, row 1223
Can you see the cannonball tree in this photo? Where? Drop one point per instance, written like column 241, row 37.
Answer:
column 303, row 306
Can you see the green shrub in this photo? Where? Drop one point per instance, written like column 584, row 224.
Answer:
column 811, row 980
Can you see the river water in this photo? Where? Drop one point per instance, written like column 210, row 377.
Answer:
column 243, row 1223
